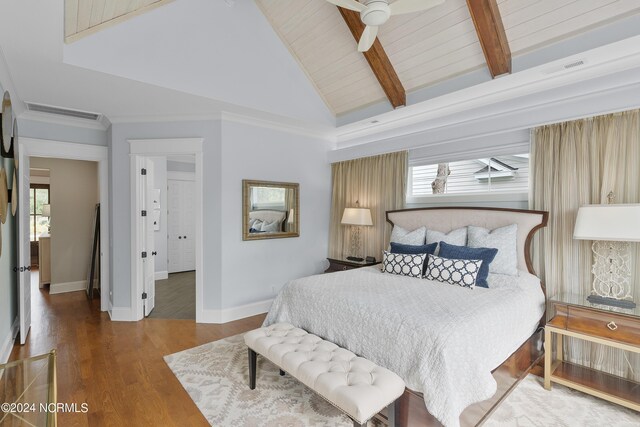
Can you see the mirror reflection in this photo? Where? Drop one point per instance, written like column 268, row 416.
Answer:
column 270, row 210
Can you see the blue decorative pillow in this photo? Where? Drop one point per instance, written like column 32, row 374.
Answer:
column 400, row 248
column 464, row 252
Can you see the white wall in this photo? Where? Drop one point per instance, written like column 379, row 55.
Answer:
column 74, row 194
column 160, row 236
column 8, row 279
column 232, row 152
column 255, row 270
column 119, row 176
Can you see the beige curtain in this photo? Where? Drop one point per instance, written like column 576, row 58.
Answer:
column 378, row 183
column 574, row 164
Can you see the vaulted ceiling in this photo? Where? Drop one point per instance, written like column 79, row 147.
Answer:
column 84, row 17
column 424, row 48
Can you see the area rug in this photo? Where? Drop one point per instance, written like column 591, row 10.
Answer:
column 216, row 377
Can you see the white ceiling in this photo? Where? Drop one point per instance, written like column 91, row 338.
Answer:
column 141, row 69
column 196, row 58
column 424, row 48
column 84, row 17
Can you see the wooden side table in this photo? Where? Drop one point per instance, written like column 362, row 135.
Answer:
column 345, row 264
column 616, row 327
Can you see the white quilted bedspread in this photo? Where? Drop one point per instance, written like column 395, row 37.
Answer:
column 443, row 340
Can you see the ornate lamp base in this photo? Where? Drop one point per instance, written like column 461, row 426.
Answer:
column 355, row 244
column 622, row 303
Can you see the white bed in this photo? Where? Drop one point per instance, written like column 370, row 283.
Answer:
column 443, row 340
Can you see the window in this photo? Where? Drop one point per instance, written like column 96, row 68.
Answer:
column 39, row 196
column 268, row 198
column 502, row 174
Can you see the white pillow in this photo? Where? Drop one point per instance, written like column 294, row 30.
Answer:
column 403, row 264
column 257, row 225
column 505, row 240
column 415, row 237
column 461, row 272
column 456, row 237
column 272, row 226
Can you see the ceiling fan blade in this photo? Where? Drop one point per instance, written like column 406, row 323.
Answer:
column 349, row 4
column 399, row 7
column 368, row 37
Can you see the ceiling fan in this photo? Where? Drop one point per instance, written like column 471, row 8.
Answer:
column 374, row 13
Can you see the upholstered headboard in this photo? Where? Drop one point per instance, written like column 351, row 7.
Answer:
column 270, row 216
column 446, row 219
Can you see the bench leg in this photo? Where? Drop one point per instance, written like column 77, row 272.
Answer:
column 282, row 373
column 252, row 369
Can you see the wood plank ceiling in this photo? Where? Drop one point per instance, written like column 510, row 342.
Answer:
column 427, row 47
column 84, row 17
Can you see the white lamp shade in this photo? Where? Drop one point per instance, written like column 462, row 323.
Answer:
column 46, row 210
column 608, row 222
column 356, row 216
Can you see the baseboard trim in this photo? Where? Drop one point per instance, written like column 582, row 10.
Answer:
column 235, row 313
column 121, row 314
column 7, row 343
column 61, row 288
column 161, row 275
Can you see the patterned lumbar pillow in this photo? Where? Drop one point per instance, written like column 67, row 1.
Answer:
column 464, row 252
column 403, row 264
column 456, row 237
column 505, row 240
column 406, row 237
column 461, row 272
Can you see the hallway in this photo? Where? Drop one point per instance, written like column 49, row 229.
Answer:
column 117, row 367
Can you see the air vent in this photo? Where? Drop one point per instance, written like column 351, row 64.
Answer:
column 63, row 111
column 564, row 67
column 573, row 64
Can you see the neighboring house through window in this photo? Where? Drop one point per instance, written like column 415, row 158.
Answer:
column 487, row 177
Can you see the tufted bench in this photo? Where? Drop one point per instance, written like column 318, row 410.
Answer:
column 353, row 384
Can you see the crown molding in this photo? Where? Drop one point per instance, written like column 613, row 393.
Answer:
column 299, row 129
column 472, row 102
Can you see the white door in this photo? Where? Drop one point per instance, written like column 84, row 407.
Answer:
column 24, row 246
column 181, row 227
column 148, row 262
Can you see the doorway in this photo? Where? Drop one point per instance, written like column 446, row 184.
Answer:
column 37, row 148
column 176, row 288
column 174, row 237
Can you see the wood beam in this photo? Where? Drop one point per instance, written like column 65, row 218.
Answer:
column 378, row 61
column 493, row 39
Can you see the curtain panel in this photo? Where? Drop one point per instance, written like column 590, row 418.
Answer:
column 378, row 183
column 574, row 164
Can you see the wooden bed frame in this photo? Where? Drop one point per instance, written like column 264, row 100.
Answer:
column 410, row 407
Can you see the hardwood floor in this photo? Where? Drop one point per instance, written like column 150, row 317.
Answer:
column 176, row 297
column 117, row 367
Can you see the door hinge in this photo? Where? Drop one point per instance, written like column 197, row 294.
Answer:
column 144, row 295
column 143, row 213
column 143, row 171
column 144, row 254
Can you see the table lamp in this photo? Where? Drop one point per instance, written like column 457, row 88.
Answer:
column 611, row 227
column 356, row 218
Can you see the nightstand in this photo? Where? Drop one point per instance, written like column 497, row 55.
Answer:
column 612, row 326
column 345, row 264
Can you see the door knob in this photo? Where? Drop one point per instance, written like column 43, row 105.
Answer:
column 185, row 237
column 154, row 253
column 179, row 237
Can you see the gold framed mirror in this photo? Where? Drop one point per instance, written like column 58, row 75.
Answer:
column 270, row 210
